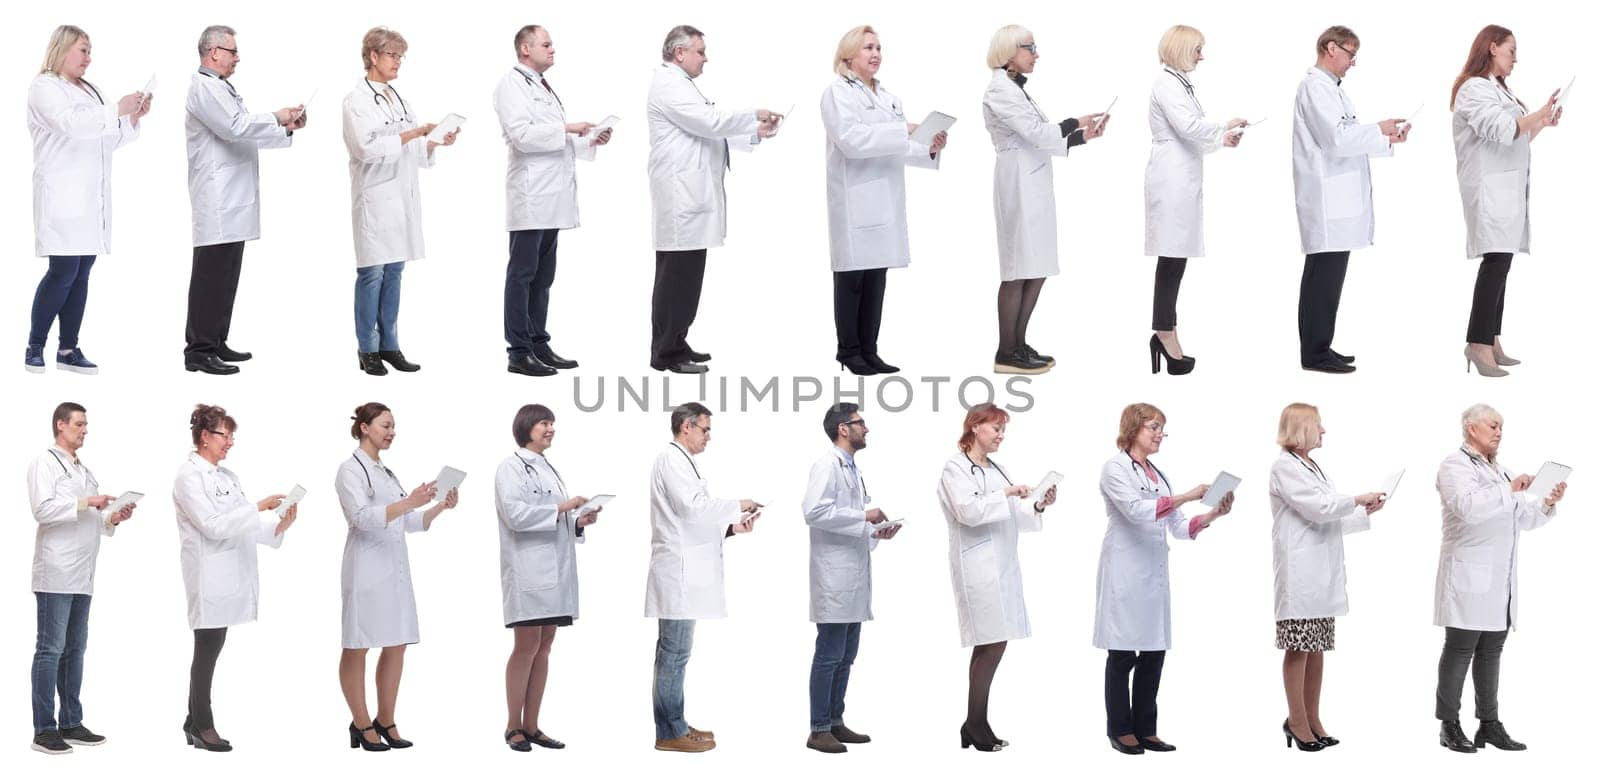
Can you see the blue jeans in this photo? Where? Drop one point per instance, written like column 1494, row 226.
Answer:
column 63, row 292
column 674, row 641
column 58, row 659
column 830, row 672
column 378, row 307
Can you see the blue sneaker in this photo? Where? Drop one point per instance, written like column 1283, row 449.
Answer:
column 75, row 361
column 33, row 359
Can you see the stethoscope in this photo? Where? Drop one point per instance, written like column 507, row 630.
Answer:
column 686, row 456
column 542, row 84
column 978, row 470
column 1479, row 459
column 1143, row 477
column 538, row 484
column 86, row 472
column 872, row 98
column 1187, row 87
column 861, row 481
column 1316, row 470
column 371, row 491
column 225, row 83
column 382, row 101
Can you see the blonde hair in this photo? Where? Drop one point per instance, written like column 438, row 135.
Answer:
column 1005, row 44
column 1338, row 35
column 1133, row 418
column 377, row 39
column 1299, row 427
column 849, row 46
column 1179, row 46
column 61, row 41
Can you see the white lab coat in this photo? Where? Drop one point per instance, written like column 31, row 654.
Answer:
column 224, row 164
column 1180, row 137
column 1476, row 584
column 1309, row 522
column 74, row 132
column 68, row 539
column 1332, row 176
column 378, row 606
column 218, row 530
column 1133, row 593
column 1492, row 167
column 385, row 200
column 689, row 142
column 541, row 175
column 835, row 508
column 538, row 544
column 1024, row 179
column 868, row 151
column 985, row 572
column 687, row 527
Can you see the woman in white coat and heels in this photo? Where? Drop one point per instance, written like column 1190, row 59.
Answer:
column 1493, row 133
column 379, row 609
column 1309, row 522
column 1180, row 137
column 387, row 147
column 869, row 147
column 74, row 133
column 1133, row 595
column 540, row 528
column 985, row 511
column 218, row 531
column 1024, row 191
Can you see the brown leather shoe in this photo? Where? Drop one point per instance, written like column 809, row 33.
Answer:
column 824, row 742
column 702, row 734
column 685, row 743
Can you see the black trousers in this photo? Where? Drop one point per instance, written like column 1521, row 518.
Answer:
column 1479, row 650
column 858, row 310
column 1138, row 715
column 529, row 274
column 213, row 282
column 1321, row 284
column 674, row 303
column 207, row 648
column 1169, row 276
column 1488, row 298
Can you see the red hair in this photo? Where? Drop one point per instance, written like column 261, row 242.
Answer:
column 981, row 414
column 1479, row 60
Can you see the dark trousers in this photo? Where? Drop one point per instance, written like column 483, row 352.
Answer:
column 1488, row 298
column 213, row 283
column 529, row 274
column 1479, row 650
column 1138, row 715
column 830, row 672
column 64, row 293
column 674, row 303
column 858, row 310
column 1321, row 283
column 207, row 648
column 1169, row 276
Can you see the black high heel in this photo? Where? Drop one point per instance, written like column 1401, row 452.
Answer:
column 1325, row 741
column 1177, row 366
column 879, row 365
column 383, row 733
column 857, row 365
column 1290, row 739
column 358, row 740
column 970, row 739
column 1136, row 749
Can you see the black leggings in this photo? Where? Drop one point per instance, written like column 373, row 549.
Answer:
column 207, row 647
column 1138, row 715
column 1488, row 298
column 1169, row 276
column 1016, row 301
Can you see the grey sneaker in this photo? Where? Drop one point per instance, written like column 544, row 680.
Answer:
column 50, row 743
column 82, row 736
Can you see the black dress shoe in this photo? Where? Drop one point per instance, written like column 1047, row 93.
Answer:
column 370, row 363
column 383, row 733
column 227, row 354
column 547, row 742
column 683, row 367
column 1019, row 361
column 518, row 746
column 358, row 740
column 548, row 356
column 209, row 363
column 695, row 356
column 1451, row 737
column 1328, row 364
column 1490, row 731
column 1034, row 353
column 857, row 365
column 399, row 361
column 879, row 365
column 1344, row 358
column 1156, row 745
column 529, row 365
column 1136, row 749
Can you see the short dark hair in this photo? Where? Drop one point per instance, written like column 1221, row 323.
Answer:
column 63, row 413
column 365, row 413
column 527, row 417
column 523, row 36
column 837, row 415
column 206, row 418
column 685, row 413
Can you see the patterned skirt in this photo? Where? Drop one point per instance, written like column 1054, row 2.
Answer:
column 1306, row 635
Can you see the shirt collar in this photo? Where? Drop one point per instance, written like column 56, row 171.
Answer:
column 212, row 73
column 72, row 458
column 527, row 71
column 203, row 463
column 849, row 459
column 1324, row 71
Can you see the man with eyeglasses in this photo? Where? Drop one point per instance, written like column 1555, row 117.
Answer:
column 1332, row 191
column 844, row 531
column 224, row 195
column 687, row 528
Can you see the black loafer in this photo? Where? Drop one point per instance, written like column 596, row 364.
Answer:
column 370, row 363
column 1328, row 365
column 695, row 356
column 549, row 357
column 398, row 361
column 1152, row 745
column 1344, row 358
column 227, row 354
column 683, row 367
column 209, row 363
column 529, row 366
column 1124, row 748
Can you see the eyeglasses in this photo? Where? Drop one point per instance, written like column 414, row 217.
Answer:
column 706, row 430
column 1031, row 48
column 1346, row 51
column 862, row 422
column 1156, row 428
column 394, row 55
column 234, row 52
column 223, row 434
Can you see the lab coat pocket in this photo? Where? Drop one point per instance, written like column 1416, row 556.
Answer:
column 65, row 198
column 219, row 575
column 1309, row 572
column 702, row 565
column 236, row 185
column 382, row 214
column 1342, row 196
column 978, row 567
column 536, row 567
column 1501, row 195
column 1470, row 578
column 692, row 191
column 868, row 204
column 840, row 572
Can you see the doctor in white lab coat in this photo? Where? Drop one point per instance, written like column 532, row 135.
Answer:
column 985, row 511
column 1309, row 521
column 1024, row 190
column 684, row 584
column 689, row 142
column 378, row 606
column 1332, row 191
column 66, row 502
column 844, row 531
column 218, row 532
column 541, row 195
column 1485, row 510
column 387, row 147
column 1494, row 133
column 540, row 528
column 223, row 140
column 1133, row 594
column 74, row 133
column 869, row 147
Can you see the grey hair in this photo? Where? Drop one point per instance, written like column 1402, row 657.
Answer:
column 1479, row 412
column 211, row 37
column 687, row 412
column 679, row 38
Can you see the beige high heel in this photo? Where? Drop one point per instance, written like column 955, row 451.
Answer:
column 1500, row 357
column 1485, row 367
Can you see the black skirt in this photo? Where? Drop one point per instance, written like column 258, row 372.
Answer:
column 560, row 622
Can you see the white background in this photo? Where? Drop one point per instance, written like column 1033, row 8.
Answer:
column 766, row 312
